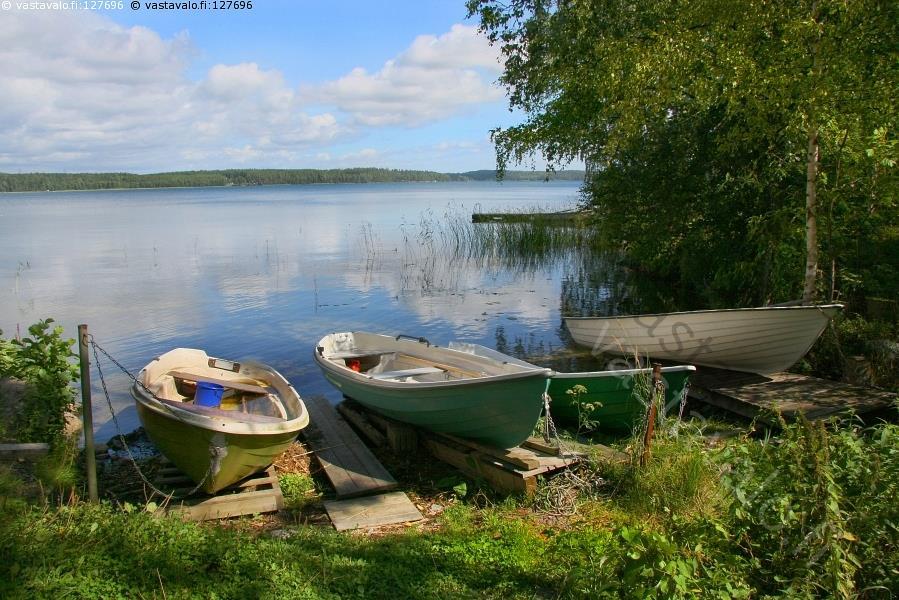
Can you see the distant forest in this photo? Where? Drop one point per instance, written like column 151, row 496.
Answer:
column 54, row 182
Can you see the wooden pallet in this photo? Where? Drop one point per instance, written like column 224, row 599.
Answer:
column 508, row 470
column 258, row 493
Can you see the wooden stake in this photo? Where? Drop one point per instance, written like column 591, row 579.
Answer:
column 87, row 414
column 651, row 416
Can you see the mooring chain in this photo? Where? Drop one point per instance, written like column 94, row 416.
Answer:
column 168, row 497
column 549, row 427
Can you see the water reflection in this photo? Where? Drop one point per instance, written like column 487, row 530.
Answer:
column 263, row 273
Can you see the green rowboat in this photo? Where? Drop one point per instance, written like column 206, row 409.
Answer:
column 444, row 390
column 617, row 396
column 241, row 420
column 617, row 404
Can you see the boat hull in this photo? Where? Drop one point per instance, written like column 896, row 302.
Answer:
column 757, row 340
column 615, row 395
column 196, row 450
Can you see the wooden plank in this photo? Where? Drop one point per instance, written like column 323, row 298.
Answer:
column 371, row 511
column 234, row 385
column 28, row 451
column 538, row 444
column 359, row 421
column 222, row 507
column 350, row 466
column 520, row 457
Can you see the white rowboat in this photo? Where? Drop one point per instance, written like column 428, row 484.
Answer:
column 758, row 340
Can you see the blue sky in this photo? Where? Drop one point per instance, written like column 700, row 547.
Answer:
column 285, row 85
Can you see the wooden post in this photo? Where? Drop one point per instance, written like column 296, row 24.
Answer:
column 651, row 416
column 87, row 414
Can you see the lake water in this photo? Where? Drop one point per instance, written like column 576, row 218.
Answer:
column 263, row 273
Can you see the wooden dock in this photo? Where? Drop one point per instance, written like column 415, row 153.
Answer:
column 508, row 470
column 348, row 463
column 751, row 395
column 258, row 493
column 565, row 218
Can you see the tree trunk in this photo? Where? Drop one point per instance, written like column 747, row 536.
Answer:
column 811, row 218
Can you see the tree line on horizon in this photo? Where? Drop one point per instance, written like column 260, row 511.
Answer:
column 53, row 182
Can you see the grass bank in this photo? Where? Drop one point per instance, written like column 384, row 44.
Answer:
column 811, row 513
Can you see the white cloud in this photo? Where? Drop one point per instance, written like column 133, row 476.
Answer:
column 83, row 93
column 435, row 78
column 80, row 92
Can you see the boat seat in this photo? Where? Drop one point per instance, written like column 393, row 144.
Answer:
column 405, row 373
column 226, row 383
column 232, row 415
column 357, row 354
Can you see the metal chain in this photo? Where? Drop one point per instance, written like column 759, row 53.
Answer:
column 168, row 497
column 683, row 401
column 549, row 426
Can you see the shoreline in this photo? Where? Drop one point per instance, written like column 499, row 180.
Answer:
column 198, row 187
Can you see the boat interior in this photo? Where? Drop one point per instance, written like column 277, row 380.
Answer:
column 247, row 394
column 431, row 364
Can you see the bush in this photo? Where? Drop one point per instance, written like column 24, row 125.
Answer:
column 44, row 362
column 816, row 510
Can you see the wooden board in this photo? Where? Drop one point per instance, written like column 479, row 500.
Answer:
column 751, row 395
column 371, row 511
column 520, row 457
column 350, row 466
column 226, row 383
column 28, row 451
column 259, row 493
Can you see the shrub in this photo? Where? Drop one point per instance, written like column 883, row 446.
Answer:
column 44, row 361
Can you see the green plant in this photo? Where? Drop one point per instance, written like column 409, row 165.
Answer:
column 816, row 508
column 585, row 410
column 57, row 471
column 44, row 361
column 298, row 489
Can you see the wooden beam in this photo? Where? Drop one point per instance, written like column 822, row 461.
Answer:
column 14, row 452
column 234, row 385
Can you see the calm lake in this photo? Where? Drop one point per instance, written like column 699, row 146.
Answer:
column 263, row 273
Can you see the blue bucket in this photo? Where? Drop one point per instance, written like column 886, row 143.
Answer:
column 209, row 394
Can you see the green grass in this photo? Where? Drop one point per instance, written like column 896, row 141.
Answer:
column 811, row 513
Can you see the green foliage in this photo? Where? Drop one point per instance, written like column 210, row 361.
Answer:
column 853, row 335
column 44, row 361
column 585, row 410
column 57, row 470
column 694, row 119
column 816, row 510
column 298, row 489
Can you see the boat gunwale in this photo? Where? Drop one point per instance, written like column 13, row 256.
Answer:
column 527, row 370
column 820, row 307
column 215, row 423
column 348, row 373
column 620, row 372
column 222, row 423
